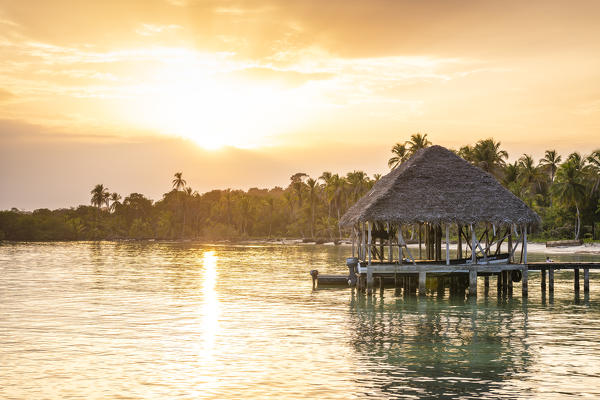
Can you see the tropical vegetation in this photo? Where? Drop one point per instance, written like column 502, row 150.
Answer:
column 564, row 192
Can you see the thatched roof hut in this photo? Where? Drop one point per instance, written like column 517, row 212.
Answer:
column 436, row 186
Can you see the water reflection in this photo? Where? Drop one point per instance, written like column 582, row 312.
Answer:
column 438, row 347
column 210, row 307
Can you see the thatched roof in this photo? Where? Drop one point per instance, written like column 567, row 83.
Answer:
column 437, row 186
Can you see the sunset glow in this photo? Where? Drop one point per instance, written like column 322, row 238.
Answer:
column 264, row 88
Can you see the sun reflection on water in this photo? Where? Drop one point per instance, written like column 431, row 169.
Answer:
column 210, row 307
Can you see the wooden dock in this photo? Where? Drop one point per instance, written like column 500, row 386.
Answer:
column 411, row 277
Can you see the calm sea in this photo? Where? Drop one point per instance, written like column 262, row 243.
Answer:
column 183, row 320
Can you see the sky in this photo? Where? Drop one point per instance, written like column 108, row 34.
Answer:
column 240, row 94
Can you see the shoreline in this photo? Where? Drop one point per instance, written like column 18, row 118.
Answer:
column 534, row 247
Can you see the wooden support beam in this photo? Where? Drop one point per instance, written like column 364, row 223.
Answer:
column 504, row 282
column 422, row 281
column 369, row 241
column 543, row 280
column 576, row 280
column 499, row 283
column 486, row 285
column 447, row 244
column 551, row 281
column 510, row 283
column 459, row 248
column 586, row 281
column 510, row 249
column 524, row 282
column 473, row 244
column 525, row 245
column 391, row 249
column 420, row 240
column 400, row 255
column 473, row 281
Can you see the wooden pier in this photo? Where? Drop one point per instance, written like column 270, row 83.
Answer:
column 412, row 278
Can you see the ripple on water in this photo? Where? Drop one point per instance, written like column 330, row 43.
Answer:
column 155, row 320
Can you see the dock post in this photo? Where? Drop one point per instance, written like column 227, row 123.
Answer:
column 524, row 282
column 499, row 283
column 472, row 282
column 381, row 283
column 486, row 285
column 576, row 283
column 422, row 280
column 369, row 279
column 504, row 282
column 543, row 279
column 510, row 283
column 551, row 281
column 586, row 281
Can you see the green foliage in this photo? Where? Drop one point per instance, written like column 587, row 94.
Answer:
column 566, row 196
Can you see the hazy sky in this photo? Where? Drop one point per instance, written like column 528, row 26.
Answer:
column 245, row 93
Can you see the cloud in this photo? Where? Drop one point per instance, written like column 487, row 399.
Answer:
column 5, row 95
column 152, row 29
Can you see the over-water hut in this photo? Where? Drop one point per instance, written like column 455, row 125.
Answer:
column 430, row 195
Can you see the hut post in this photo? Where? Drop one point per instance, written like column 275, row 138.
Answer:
column 363, row 243
column 510, row 244
column 391, row 249
column 369, row 267
column 525, row 244
column 447, row 244
column 438, row 242
column 353, row 238
column 420, row 240
column 369, row 241
column 473, row 244
column 400, row 256
column 459, row 248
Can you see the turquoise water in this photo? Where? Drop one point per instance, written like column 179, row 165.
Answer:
column 184, row 320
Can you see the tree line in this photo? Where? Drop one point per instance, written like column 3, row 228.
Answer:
column 564, row 192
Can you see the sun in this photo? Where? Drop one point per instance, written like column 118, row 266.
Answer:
column 203, row 101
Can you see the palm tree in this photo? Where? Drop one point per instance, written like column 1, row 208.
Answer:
column 400, row 154
column 529, row 174
column 178, row 182
column 550, row 162
column 358, row 182
column 115, row 199
column 569, row 187
column 100, row 195
column 298, row 186
column 417, row 141
column 312, row 196
column 487, row 155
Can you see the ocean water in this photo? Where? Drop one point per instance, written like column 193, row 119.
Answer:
column 186, row 320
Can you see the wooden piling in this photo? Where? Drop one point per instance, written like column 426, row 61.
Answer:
column 473, row 282
column 381, row 283
column 543, row 279
column 510, row 283
column 576, row 279
column 586, row 281
column 524, row 282
column 422, row 281
column 499, row 283
column 486, row 285
column 504, row 282
column 551, row 281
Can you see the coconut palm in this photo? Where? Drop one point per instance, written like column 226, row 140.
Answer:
column 313, row 187
column 400, row 154
column 115, row 201
column 417, row 141
column 358, row 182
column 550, row 162
column 178, row 182
column 100, row 195
column 529, row 174
column 487, row 155
column 569, row 187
